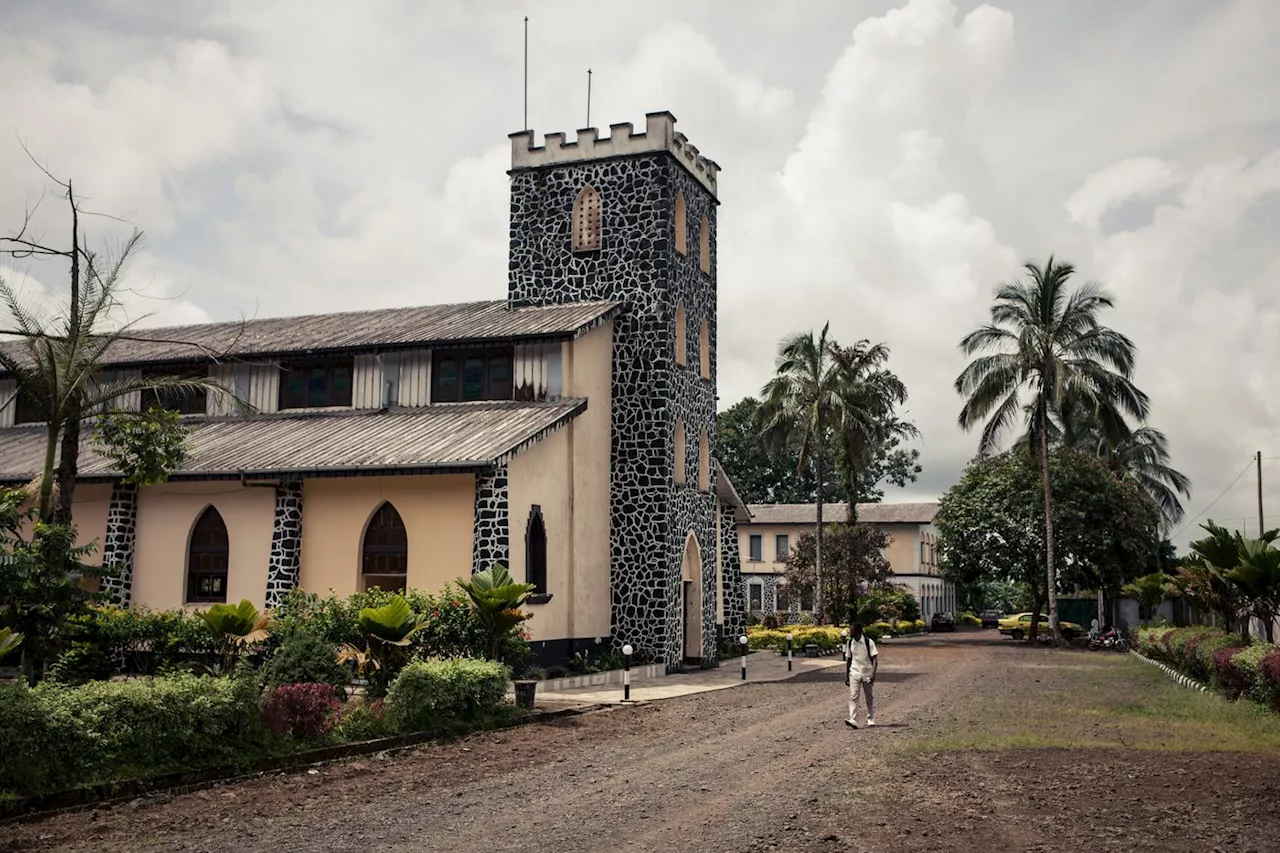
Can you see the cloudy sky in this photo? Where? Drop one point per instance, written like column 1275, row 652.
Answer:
column 885, row 165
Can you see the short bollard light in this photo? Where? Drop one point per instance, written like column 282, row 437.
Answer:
column 789, row 636
column 626, row 672
column 743, row 641
column 844, row 644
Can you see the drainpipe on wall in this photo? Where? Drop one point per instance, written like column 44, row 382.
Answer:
column 573, row 515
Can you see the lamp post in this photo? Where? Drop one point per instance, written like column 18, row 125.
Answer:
column 789, row 636
column 743, row 641
column 626, row 672
column 844, row 644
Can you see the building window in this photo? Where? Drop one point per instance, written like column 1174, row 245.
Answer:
column 316, row 384
column 755, row 547
column 682, row 240
column 704, row 246
column 586, row 221
column 535, row 552
column 755, row 597
column 704, row 349
column 208, row 559
column 784, row 597
column 384, row 555
column 782, row 547
column 29, row 411
column 463, row 376
column 680, row 449
column 704, row 462
column 187, row 402
column 682, row 344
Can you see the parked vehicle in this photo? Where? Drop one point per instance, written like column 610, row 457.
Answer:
column 943, row 622
column 991, row 619
column 1110, row 639
column 1019, row 625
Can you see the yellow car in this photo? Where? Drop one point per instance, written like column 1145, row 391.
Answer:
column 1019, row 625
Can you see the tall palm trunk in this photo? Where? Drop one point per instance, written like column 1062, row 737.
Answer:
column 67, row 467
column 817, row 547
column 1052, row 567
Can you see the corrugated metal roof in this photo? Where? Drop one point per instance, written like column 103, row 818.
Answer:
column 463, row 435
column 420, row 326
column 884, row 513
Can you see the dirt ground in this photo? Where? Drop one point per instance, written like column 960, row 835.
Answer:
column 982, row 745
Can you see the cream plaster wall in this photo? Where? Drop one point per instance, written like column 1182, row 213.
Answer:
column 903, row 551
column 438, row 513
column 166, row 515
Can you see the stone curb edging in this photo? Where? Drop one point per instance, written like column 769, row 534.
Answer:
column 188, row 781
column 1184, row 680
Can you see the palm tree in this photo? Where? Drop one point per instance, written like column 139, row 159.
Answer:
column 1045, row 340
column 1150, row 591
column 801, row 405
column 59, row 359
column 871, row 394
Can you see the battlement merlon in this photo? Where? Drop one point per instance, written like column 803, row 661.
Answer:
column 660, row 135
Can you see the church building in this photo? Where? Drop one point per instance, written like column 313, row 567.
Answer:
column 567, row 432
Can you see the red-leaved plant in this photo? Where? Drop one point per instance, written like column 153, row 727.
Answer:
column 305, row 711
column 1227, row 674
column 1269, row 667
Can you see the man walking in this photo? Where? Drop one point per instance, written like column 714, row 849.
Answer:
column 860, row 675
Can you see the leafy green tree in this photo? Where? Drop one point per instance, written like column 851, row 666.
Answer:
column 855, row 563
column 145, row 449
column 1046, row 340
column 1151, row 591
column 1258, row 578
column 802, row 405
column 871, row 394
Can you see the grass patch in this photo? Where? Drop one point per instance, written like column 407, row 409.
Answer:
column 1116, row 702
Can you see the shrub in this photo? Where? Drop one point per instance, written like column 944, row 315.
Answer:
column 81, row 663
column 1198, row 652
column 970, row 619
column 428, row 695
column 1247, row 663
column 303, row 711
column 358, row 720
column 1269, row 673
column 305, row 658
column 1176, row 642
column 1225, row 673
column 55, row 737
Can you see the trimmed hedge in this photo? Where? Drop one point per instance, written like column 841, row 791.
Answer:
column 825, row 637
column 1225, row 661
column 430, row 695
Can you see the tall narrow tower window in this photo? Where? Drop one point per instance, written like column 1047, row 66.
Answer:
column 682, row 345
column 682, row 240
column 704, row 349
column 681, row 450
column 704, row 462
column 704, row 246
column 586, row 220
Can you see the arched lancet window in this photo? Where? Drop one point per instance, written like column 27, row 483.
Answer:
column 682, row 345
column 704, row 349
column 704, row 246
column 586, row 220
column 384, row 555
column 680, row 452
column 208, row 559
column 682, row 239
column 535, row 552
column 704, row 462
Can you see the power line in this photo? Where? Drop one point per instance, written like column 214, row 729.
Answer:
column 1246, row 467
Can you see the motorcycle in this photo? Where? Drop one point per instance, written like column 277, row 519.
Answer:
column 1110, row 639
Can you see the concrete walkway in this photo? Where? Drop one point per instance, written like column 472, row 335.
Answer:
column 761, row 667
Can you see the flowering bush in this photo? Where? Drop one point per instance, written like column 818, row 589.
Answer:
column 304, row 711
column 1226, row 674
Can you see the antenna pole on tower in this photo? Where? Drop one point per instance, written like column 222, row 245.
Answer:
column 588, row 124
column 526, row 72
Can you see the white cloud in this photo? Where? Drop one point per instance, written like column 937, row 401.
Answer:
column 285, row 160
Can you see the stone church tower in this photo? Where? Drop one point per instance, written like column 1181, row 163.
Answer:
column 632, row 218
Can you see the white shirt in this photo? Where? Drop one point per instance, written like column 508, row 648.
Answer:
column 860, row 653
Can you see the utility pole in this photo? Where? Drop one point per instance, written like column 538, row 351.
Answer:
column 1261, row 526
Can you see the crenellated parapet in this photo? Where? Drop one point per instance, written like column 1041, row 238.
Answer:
column 660, row 134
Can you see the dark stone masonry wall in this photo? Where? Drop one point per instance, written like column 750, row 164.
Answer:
column 491, row 542
column 120, row 542
column 638, row 265
column 286, row 543
column 733, row 589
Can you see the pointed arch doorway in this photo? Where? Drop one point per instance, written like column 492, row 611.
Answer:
column 691, row 599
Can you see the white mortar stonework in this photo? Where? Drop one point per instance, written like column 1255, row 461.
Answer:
column 491, row 541
column 286, row 544
column 120, row 542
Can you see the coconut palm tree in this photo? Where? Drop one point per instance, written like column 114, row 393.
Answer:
column 871, row 394
column 1045, row 340
column 802, row 405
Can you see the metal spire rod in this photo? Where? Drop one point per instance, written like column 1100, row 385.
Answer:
column 526, row 72
column 588, row 124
